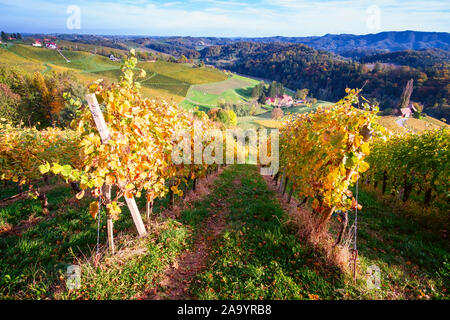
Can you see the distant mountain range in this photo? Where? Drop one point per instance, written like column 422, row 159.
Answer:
column 350, row 45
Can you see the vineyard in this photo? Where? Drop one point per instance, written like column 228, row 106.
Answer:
column 165, row 79
column 209, row 231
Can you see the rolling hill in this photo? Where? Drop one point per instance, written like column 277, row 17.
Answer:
column 165, row 79
column 345, row 44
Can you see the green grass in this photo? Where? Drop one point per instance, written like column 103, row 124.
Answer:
column 264, row 120
column 206, row 96
column 258, row 256
column 127, row 278
column 413, row 258
column 32, row 262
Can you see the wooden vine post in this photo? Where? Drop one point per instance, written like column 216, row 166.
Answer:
column 109, row 219
column 131, row 202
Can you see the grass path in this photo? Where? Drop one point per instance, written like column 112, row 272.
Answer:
column 176, row 280
column 232, row 241
column 240, row 248
column 258, row 256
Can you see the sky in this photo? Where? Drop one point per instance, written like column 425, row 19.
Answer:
column 220, row 18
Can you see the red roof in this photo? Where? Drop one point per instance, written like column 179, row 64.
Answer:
column 406, row 112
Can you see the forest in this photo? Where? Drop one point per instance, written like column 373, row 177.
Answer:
column 327, row 75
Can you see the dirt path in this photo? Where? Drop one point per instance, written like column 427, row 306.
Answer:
column 176, row 280
column 401, row 122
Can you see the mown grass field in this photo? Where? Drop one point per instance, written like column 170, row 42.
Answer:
column 206, row 96
column 264, row 120
column 257, row 255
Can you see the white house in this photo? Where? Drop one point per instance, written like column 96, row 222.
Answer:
column 51, row 45
column 112, row 58
column 37, row 43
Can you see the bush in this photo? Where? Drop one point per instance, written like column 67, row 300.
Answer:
column 241, row 109
column 9, row 104
column 387, row 112
column 227, row 117
column 277, row 113
column 255, row 109
column 417, row 115
column 199, row 114
column 212, row 114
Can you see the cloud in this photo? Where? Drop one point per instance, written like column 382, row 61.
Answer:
column 224, row 18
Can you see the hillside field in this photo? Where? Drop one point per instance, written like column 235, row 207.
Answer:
column 164, row 79
column 206, row 96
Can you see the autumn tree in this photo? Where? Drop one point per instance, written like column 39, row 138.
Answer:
column 301, row 94
column 9, row 104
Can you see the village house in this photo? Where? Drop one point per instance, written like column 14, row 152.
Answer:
column 407, row 112
column 286, row 101
column 113, row 58
column 36, row 43
column 283, row 101
column 270, row 101
column 51, row 45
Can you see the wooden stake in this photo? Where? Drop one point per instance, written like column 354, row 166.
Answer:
column 290, row 194
column 148, row 210
column 104, row 135
column 131, row 203
column 98, row 117
column 109, row 219
column 286, row 181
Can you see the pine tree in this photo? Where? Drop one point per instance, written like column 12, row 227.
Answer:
column 262, row 98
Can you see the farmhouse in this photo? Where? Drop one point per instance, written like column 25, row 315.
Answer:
column 51, row 45
column 113, row 58
column 286, row 101
column 408, row 112
column 270, row 101
column 36, row 43
column 282, row 101
column 405, row 112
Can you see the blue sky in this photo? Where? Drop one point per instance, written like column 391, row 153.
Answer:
column 226, row 18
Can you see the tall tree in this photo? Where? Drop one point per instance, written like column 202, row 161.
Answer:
column 406, row 95
column 257, row 90
column 4, row 36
